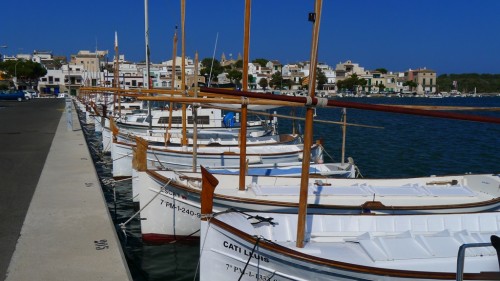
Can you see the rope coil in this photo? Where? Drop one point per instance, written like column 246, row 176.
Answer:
column 309, row 101
column 244, row 101
column 322, row 102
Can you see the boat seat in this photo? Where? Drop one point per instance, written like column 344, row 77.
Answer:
column 364, row 190
column 408, row 245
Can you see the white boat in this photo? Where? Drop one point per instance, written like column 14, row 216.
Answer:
column 261, row 246
column 206, row 118
column 208, row 138
column 173, row 198
column 240, row 245
column 210, row 126
column 181, row 158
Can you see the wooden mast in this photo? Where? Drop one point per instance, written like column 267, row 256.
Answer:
column 308, row 133
column 116, row 77
column 174, row 75
column 244, row 107
column 183, row 69
column 344, row 128
column 148, row 74
column 195, row 115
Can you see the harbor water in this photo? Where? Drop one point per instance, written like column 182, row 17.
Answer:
column 395, row 146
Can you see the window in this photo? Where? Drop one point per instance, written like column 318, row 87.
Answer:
column 202, row 120
column 56, row 79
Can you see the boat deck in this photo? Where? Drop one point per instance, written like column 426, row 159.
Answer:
column 430, row 191
column 422, row 243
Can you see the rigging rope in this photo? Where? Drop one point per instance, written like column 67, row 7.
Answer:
column 123, row 225
column 249, row 257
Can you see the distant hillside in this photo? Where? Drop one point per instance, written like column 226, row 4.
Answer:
column 484, row 83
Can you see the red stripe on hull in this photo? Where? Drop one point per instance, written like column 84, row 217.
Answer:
column 153, row 238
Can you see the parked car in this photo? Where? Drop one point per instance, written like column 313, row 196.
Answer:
column 63, row 95
column 12, row 95
column 30, row 94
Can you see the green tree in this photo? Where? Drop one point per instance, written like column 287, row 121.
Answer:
column 261, row 61
column 351, row 83
column 206, row 67
column 381, row 87
column 288, row 83
column 238, row 64
column 382, row 70
column 321, row 79
column 468, row 82
column 411, row 84
column 235, row 76
column 251, row 81
column 263, row 83
column 276, row 80
column 25, row 70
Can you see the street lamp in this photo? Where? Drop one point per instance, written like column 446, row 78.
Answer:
column 15, row 73
column 2, row 47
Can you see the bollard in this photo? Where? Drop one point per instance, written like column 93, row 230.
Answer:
column 69, row 115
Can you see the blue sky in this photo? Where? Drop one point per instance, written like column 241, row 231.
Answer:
column 449, row 36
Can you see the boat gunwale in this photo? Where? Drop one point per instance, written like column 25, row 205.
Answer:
column 460, row 207
column 166, row 150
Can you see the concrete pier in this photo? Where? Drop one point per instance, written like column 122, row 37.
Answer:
column 67, row 232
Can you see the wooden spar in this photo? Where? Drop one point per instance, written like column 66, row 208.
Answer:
column 308, row 132
column 244, row 105
column 298, row 101
column 182, row 99
column 314, row 102
column 131, row 92
column 183, row 69
column 344, row 128
column 363, row 106
column 208, row 185
column 195, row 116
column 444, row 108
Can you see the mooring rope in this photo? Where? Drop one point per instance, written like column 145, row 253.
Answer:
column 157, row 159
column 123, row 225
column 126, row 155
